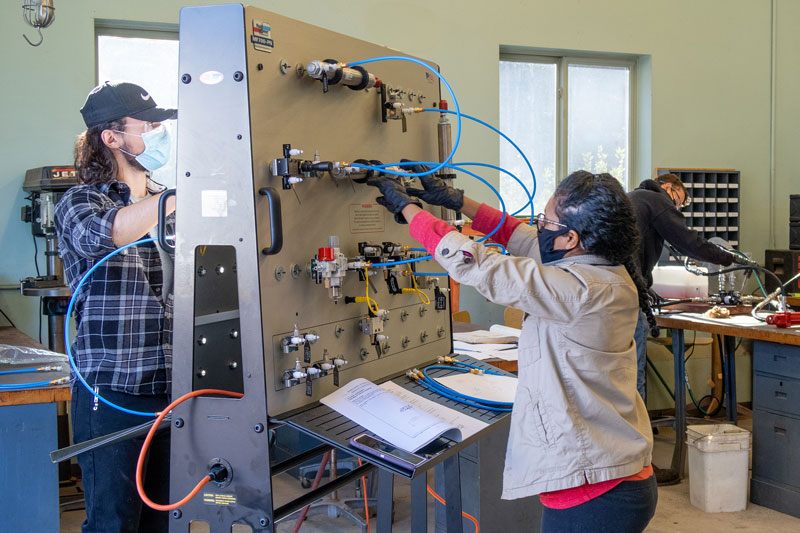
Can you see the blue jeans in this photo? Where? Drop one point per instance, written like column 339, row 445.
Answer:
column 640, row 337
column 627, row 508
column 109, row 472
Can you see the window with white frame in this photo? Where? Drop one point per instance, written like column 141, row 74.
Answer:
column 145, row 54
column 566, row 113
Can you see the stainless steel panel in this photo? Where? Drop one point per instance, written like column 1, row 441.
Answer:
column 214, row 155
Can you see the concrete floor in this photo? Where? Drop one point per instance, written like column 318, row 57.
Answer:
column 674, row 513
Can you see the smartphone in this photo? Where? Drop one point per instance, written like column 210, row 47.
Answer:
column 386, row 451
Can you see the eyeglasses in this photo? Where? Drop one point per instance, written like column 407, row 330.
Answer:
column 681, row 205
column 146, row 126
column 541, row 221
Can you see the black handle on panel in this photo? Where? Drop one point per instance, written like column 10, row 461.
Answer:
column 275, row 220
column 162, row 220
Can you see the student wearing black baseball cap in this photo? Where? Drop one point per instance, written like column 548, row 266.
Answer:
column 114, row 100
column 122, row 347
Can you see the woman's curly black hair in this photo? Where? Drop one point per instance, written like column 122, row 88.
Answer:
column 597, row 208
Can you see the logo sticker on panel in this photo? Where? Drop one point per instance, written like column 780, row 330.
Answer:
column 262, row 36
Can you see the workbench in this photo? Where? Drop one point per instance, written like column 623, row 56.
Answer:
column 787, row 341
column 28, row 433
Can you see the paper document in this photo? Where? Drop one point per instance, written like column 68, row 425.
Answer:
column 469, row 347
column 467, row 424
column 506, row 352
column 505, row 330
column 737, row 320
column 390, row 417
column 483, row 336
column 480, row 356
column 505, row 355
column 485, row 386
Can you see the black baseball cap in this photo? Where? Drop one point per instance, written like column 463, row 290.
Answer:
column 114, row 100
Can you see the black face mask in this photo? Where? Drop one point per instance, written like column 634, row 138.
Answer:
column 547, row 238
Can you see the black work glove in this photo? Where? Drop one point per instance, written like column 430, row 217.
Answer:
column 394, row 198
column 436, row 191
column 742, row 260
column 736, row 257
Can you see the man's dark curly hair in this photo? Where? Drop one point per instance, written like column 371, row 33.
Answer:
column 597, row 208
column 94, row 161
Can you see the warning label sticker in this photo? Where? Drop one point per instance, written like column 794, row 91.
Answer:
column 211, row 498
column 367, row 218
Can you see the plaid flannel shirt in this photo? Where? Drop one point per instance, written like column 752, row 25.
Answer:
column 123, row 322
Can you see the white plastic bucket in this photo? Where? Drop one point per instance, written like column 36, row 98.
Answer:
column 719, row 457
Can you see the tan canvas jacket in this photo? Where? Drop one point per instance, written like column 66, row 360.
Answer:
column 577, row 417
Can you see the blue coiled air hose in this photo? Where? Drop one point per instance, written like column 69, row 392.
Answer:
column 21, row 371
column 66, row 329
column 506, row 137
column 524, row 188
column 431, row 384
column 21, row 386
column 450, row 394
column 457, row 112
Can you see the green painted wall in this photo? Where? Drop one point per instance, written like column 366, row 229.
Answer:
column 709, row 62
column 787, row 119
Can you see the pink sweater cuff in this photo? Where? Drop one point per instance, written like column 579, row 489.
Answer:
column 429, row 230
column 487, row 218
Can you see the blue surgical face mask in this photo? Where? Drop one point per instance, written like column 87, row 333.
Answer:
column 157, row 147
column 547, row 239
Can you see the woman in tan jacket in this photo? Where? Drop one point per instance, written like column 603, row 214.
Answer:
column 580, row 436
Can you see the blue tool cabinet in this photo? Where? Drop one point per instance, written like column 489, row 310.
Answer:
column 776, row 427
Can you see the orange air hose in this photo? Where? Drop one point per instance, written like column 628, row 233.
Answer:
column 149, row 438
column 465, row 515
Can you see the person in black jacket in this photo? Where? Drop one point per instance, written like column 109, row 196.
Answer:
column 657, row 205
